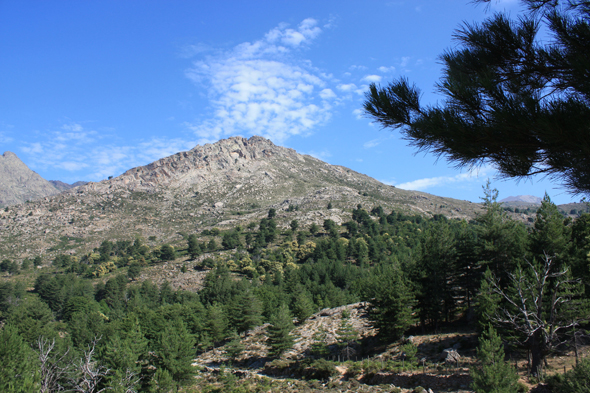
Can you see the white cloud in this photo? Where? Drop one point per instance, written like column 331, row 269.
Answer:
column 76, row 151
column 307, row 31
column 346, row 87
column 71, row 165
column 74, row 132
column 423, row 184
column 33, row 148
column 5, row 139
column 405, row 61
column 377, row 141
column 327, row 94
column 362, row 89
column 372, row 78
column 358, row 113
column 357, row 67
column 321, row 155
column 260, row 88
column 386, row 69
column 72, row 127
column 372, row 143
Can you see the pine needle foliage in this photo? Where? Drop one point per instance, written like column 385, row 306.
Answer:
column 279, row 336
column 493, row 374
column 511, row 99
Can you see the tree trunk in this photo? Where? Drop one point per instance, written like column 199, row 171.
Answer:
column 537, row 355
column 576, row 346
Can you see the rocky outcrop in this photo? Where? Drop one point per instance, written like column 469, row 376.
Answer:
column 19, row 184
column 234, row 159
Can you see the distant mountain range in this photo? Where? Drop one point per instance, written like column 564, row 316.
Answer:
column 524, row 199
column 60, row 185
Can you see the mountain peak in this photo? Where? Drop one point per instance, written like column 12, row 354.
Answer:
column 9, row 154
column 19, row 184
column 523, row 198
column 203, row 163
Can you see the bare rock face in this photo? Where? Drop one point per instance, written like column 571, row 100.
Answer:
column 19, row 184
column 235, row 159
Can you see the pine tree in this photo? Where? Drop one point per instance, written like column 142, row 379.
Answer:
column 245, row 311
column 437, row 271
column 549, row 235
column 347, row 338
column 279, row 336
column 302, row 304
column 216, row 325
column 212, row 245
column 162, row 382
column 167, row 253
column 576, row 380
column 487, row 301
column 319, row 347
column 18, row 372
column 194, row 249
column 512, row 97
column 125, row 350
column 134, row 271
column 234, row 347
column 493, row 374
column 391, row 303
column 176, row 351
column 501, row 241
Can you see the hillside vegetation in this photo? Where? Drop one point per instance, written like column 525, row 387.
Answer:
column 248, row 296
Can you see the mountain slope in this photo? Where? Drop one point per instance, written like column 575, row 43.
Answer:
column 233, row 181
column 19, row 184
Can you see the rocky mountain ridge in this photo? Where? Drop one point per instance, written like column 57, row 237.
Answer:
column 230, row 182
column 531, row 199
column 19, row 184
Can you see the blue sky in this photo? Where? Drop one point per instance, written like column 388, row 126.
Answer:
column 89, row 89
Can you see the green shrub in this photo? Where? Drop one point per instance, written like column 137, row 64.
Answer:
column 577, row 380
column 321, row 369
column 208, row 262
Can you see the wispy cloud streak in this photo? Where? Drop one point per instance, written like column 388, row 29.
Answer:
column 77, row 150
column 426, row 183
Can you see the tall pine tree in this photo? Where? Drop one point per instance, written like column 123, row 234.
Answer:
column 493, row 374
column 279, row 336
column 19, row 370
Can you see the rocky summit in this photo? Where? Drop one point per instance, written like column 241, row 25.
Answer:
column 230, row 182
column 19, row 184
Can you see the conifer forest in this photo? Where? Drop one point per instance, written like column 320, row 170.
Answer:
column 90, row 323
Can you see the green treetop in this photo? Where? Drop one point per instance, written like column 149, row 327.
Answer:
column 512, row 99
